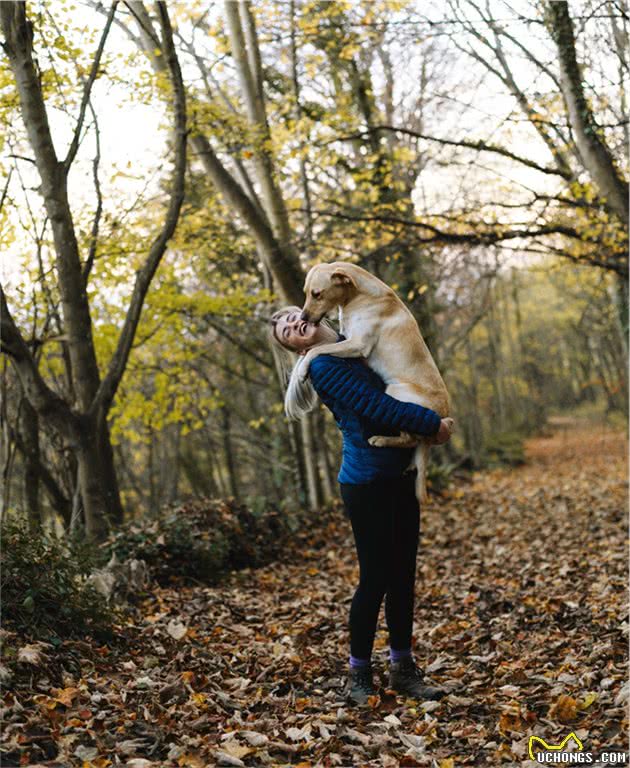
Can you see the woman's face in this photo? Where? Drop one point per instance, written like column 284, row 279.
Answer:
column 300, row 335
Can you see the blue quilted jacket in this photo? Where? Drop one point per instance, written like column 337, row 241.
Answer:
column 356, row 396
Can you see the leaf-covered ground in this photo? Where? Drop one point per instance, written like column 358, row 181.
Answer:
column 521, row 613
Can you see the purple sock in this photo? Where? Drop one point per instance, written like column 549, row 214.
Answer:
column 357, row 663
column 399, row 655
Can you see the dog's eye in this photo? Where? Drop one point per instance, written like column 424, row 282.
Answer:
column 316, row 294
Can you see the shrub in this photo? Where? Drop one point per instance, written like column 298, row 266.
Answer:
column 43, row 585
column 439, row 476
column 201, row 540
column 505, row 448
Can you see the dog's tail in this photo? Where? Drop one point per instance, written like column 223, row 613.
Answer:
column 421, row 462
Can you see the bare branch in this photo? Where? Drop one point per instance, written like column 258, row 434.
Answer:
column 57, row 497
column 87, row 267
column 6, row 189
column 456, row 341
column 480, row 146
column 74, row 146
column 486, row 237
column 46, row 402
column 98, row 6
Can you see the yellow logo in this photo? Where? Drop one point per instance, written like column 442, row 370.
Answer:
column 552, row 747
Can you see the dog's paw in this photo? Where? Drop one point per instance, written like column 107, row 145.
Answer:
column 378, row 441
column 450, row 423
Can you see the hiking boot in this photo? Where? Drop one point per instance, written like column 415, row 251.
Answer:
column 406, row 678
column 360, row 684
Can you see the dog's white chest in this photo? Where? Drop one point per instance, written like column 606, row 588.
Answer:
column 350, row 324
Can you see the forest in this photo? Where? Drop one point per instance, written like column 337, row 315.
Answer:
column 169, row 174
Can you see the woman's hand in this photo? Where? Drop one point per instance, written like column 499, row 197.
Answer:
column 443, row 434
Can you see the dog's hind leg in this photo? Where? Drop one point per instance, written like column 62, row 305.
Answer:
column 421, row 462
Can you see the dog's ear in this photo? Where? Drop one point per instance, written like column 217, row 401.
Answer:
column 341, row 277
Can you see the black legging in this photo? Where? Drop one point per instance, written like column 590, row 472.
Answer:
column 385, row 520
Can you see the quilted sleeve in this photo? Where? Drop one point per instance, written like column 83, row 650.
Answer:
column 334, row 378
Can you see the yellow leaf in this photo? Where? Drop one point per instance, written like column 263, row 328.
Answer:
column 65, row 696
column 588, row 700
column 448, row 762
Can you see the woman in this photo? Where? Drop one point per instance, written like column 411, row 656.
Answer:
column 377, row 492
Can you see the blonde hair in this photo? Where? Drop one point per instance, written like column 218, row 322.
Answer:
column 300, row 396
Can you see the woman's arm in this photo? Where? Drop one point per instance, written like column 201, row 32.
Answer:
column 332, row 376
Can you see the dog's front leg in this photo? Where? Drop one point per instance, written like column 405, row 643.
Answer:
column 404, row 440
column 359, row 347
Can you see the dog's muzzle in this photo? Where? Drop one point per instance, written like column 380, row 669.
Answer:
column 309, row 319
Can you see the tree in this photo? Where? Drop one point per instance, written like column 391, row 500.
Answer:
column 577, row 205
column 82, row 418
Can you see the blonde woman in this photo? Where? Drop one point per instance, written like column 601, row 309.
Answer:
column 378, row 495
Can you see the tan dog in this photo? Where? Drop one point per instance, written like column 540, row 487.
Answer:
column 379, row 327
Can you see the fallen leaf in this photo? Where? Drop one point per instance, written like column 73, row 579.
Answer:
column 254, row 738
column 31, row 654
column 296, row 734
column 235, row 749
column 65, row 696
column 564, row 710
column 223, row 758
column 586, row 702
column 392, row 720
column 86, row 753
column 176, row 629
column 510, row 720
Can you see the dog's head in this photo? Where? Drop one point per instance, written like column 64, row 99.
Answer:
column 327, row 286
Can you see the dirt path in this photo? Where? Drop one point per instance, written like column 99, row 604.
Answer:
column 521, row 612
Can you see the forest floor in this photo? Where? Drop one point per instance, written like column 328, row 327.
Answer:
column 521, row 613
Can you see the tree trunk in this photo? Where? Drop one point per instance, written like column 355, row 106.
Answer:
column 619, row 292
column 496, row 362
column 474, row 433
column 111, row 490
column 310, row 462
column 7, row 447
column 297, row 453
column 325, row 473
column 92, row 484
column 228, row 453
column 29, row 435
column 597, row 157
